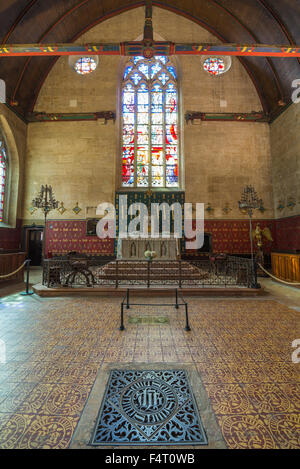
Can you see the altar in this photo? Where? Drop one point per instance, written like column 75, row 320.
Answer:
column 166, row 248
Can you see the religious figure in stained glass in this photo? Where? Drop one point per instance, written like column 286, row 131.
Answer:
column 3, row 171
column 150, row 147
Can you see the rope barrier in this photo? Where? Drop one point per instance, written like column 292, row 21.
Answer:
column 278, row 279
column 15, row 271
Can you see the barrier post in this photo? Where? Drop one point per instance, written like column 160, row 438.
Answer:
column 187, row 326
column 176, row 295
column 127, row 299
column 27, row 292
column 122, row 318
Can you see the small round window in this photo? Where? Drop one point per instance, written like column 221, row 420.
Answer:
column 217, row 65
column 85, row 65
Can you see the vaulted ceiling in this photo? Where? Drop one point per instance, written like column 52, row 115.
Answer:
column 231, row 21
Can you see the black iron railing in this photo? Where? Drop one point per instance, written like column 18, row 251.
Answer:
column 96, row 272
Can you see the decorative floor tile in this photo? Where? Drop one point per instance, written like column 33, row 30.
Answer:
column 285, row 429
column 229, row 399
column 12, row 428
column 267, row 398
column 246, row 432
column 48, row 432
column 55, row 349
column 292, row 392
column 215, row 372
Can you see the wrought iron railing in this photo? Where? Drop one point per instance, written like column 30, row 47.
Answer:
column 96, row 272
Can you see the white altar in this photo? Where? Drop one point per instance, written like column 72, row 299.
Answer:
column 134, row 248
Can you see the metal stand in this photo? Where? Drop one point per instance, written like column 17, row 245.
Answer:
column 249, row 201
column 176, row 305
column 27, row 292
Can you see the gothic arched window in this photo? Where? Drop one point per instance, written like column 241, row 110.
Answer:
column 150, row 146
column 3, row 174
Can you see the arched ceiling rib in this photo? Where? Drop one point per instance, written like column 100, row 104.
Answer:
column 232, row 21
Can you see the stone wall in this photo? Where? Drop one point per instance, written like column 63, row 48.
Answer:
column 285, row 147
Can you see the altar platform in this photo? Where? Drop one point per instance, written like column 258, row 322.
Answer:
column 45, row 292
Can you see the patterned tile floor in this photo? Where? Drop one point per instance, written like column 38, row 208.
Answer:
column 51, row 351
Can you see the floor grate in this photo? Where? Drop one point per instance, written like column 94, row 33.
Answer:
column 148, row 408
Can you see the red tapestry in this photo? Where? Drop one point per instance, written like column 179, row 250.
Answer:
column 233, row 236
column 70, row 235
column 228, row 236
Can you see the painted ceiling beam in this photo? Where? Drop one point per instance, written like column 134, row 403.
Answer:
column 103, row 116
column 195, row 117
column 149, row 49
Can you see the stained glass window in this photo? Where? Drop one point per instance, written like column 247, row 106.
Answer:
column 85, row 65
column 150, row 144
column 214, row 65
column 3, row 171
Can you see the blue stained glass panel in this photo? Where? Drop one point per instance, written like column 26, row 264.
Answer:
column 127, row 71
column 155, row 68
column 172, row 71
column 163, row 77
column 172, row 175
column 162, row 58
column 137, row 58
column 144, row 69
column 136, row 78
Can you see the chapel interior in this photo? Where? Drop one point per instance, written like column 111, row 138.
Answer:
column 173, row 103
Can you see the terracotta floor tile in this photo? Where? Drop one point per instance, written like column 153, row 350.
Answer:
column 229, row 399
column 246, row 432
column 285, row 429
column 268, row 398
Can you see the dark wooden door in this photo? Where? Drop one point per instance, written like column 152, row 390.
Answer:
column 35, row 241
